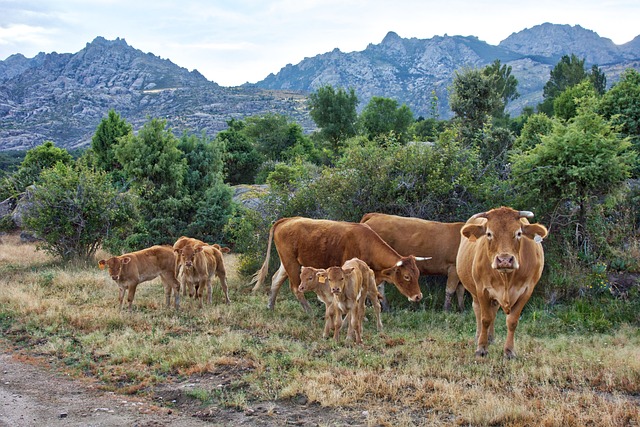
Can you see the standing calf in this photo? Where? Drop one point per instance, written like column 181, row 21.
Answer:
column 196, row 267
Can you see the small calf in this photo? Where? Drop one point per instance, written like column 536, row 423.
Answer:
column 197, row 266
column 314, row 280
column 131, row 269
column 348, row 285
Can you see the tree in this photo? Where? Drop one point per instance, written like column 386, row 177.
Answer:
column 36, row 160
column 532, row 132
column 242, row 159
column 473, row 100
column 505, row 85
column 382, row 116
column 569, row 71
column 334, row 112
column 575, row 163
column 152, row 161
column 565, row 105
column 598, row 80
column 621, row 106
column 73, row 210
column 106, row 137
column 275, row 137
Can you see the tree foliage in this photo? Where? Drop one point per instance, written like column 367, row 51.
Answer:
column 74, row 210
column 569, row 71
column 242, row 158
column 334, row 112
column 504, row 83
column 383, row 116
column 108, row 133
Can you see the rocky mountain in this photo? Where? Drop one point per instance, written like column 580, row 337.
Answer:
column 410, row 70
column 63, row 97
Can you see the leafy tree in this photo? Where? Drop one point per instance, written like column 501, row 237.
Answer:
column 575, row 163
column 505, row 84
column 107, row 135
column 569, row 71
column 565, row 105
column 532, row 132
column 382, row 116
column 36, row 160
column 334, row 112
column 152, row 161
column 275, row 137
column 598, row 79
column 73, row 210
column 473, row 100
column 242, row 159
column 427, row 129
column 621, row 106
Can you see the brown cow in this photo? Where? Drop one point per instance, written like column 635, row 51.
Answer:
column 349, row 284
column 197, row 266
column 310, row 281
column 499, row 262
column 323, row 243
column 131, row 269
column 440, row 240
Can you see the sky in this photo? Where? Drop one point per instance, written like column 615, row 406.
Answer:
column 232, row 42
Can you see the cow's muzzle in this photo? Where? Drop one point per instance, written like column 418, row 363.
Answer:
column 115, row 278
column 505, row 263
column 416, row 298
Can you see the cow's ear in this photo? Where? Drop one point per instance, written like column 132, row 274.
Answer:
column 198, row 249
column 126, row 260
column 533, row 230
column 101, row 264
column 473, row 231
column 388, row 274
column 348, row 270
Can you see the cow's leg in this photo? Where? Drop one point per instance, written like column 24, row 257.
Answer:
column 476, row 311
column 452, row 285
column 328, row 320
column 377, row 309
column 512, row 324
column 121, row 291
column 491, row 333
column 276, row 282
column 460, row 295
column 210, row 290
column 130, row 294
column 486, row 319
column 383, row 302
column 200, row 292
column 222, row 275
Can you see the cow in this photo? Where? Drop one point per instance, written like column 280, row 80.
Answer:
column 499, row 262
column 440, row 240
column 324, row 243
column 197, row 266
column 314, row 280
column 131, row 269
column 349, row 284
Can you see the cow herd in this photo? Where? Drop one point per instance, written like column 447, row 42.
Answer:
column 496, row 255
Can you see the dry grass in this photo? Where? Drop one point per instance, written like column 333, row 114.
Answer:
column 420, row 371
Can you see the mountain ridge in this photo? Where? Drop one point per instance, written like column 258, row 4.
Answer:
column 63, row 96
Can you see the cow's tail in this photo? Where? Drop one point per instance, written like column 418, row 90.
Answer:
column 259, row 276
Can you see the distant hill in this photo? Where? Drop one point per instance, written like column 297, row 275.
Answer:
column 408, row 70
column 63, row 97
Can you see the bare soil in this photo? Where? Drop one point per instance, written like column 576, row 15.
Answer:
column 34, row 392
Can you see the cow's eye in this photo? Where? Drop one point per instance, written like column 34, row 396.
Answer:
column 489, row 235
column 519, row 234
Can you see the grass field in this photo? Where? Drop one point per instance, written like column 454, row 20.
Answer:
column 578, row 365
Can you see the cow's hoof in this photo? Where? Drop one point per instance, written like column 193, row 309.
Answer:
column 481, row 353
column 509, row 354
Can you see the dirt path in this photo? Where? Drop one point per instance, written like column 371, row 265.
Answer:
column 33, row 395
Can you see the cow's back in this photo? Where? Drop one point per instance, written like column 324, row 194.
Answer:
column 324, row 243
column 416, row 236
column 149, row 263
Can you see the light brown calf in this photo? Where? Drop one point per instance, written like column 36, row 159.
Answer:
column 131, row 269
column 310, row 281
column 197, row 266
column 348, row 285
column 184, row 241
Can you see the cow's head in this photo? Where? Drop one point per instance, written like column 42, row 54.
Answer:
column 337, row 278
column 187, row 254
column 404, row 274
column 115, row 265
column 503, row 232
column 311, row 278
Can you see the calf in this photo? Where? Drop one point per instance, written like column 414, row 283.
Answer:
column 314, row 280
column 131, row 269
column 348, row 285
column 197, row 266
column 184, row 241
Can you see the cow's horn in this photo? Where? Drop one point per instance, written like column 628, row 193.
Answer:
column 422, row 258
column 526, row 214
column 399, row 263
column 479, row 215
